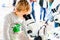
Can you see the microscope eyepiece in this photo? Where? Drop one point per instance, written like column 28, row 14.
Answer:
column 27, row 16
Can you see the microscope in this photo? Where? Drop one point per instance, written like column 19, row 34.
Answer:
column 33, row 29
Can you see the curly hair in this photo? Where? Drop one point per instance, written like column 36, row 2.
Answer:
column 23, row 5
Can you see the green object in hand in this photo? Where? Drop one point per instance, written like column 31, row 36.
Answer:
column 16, row 28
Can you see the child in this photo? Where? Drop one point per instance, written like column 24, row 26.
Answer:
column 16, row 17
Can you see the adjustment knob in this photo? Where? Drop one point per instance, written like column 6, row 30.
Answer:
column 29, row 31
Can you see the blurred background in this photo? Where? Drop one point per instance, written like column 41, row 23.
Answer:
column 5, row 8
